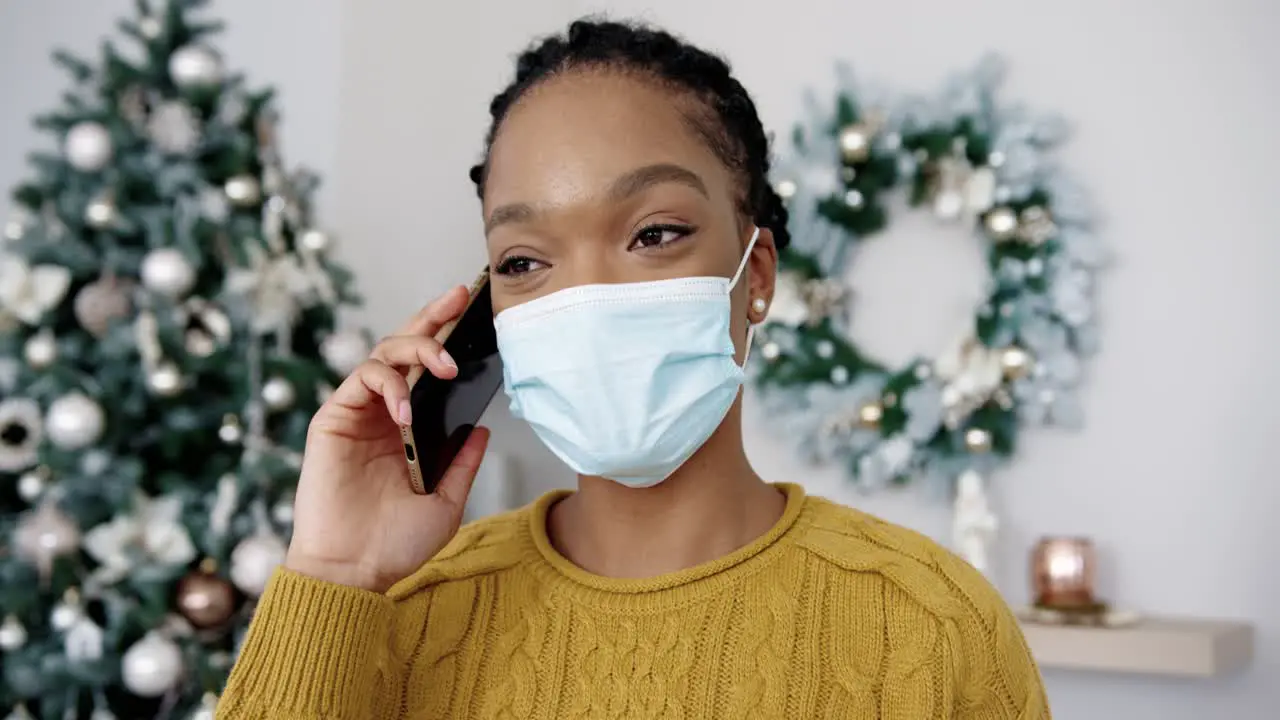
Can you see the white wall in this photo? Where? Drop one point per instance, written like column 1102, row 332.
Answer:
column 1176, row 109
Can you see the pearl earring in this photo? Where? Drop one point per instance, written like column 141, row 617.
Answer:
column 759, row 305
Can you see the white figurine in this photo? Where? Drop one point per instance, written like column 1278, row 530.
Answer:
column 975, row 525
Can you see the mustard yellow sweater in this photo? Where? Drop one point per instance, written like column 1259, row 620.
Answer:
column 832, row 614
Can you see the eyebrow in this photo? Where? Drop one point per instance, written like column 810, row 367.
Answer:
column 626, row 186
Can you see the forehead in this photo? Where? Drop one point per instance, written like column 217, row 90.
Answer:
column 575, row 133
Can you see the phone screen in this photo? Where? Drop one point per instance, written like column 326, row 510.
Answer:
column 445, row 411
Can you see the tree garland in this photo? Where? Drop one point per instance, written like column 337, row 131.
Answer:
column 983, row 167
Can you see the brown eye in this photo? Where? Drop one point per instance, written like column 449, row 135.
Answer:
column 518, row 265
column 656, row 236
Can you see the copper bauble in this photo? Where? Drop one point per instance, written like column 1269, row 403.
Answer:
column 205, row 599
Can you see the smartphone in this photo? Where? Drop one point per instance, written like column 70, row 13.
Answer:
column 446, row 411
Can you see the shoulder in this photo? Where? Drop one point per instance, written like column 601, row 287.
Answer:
column 942, row 583
column 483, row 547
column 943, row 595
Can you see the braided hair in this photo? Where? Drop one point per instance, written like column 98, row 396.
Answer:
column 728, row 123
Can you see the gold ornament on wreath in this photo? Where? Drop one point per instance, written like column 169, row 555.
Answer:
column 980, row 168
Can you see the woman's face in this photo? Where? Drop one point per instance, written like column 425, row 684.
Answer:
column 598, row 177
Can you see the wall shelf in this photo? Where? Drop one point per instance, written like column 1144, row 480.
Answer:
column 1151, row 646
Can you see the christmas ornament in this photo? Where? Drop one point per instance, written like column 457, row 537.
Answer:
column 977, row 440
column 254, row 560
column 869, row 415
column 168, row 272
column 44, row 534
column 88, row 146
column 278, row 393
column 83, row 640
column 74, row 421
column 65, row 612
column 152, row 665
column 1001, row 223
column 174, row 127
column 344, row 351
column 99, row 303
column 205, row 599
column 40, row 350
column 20, row 433
column 282, row 512
column 151, row 534
column 12, row 634
column 32, row 482
column 243, row 191
column 27, row 292
column 101, row 212
column 855, row 143
column 208, row 329
column 208, row 708
column 230, row 432
column 1016, row 362
column 316, row 241
column 165, row 380
column 195, row 67
column 151, row 27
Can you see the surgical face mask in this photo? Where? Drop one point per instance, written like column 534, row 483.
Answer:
column 624, row 381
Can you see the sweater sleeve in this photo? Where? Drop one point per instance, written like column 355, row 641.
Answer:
column 313, row 650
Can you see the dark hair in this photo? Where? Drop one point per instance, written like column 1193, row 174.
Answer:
column 731, row 128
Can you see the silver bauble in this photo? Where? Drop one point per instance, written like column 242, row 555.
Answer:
column 88, row 146
column 344, row 351
column 166, row 271
column 45, row 533
column 12, row 634
column 243, row 191
column 316, row 241
column 152, row 665
column 174, row 127
column 99, row 303
column 977, row 440
column 855, row 143
column 74, row 421
column 254, row 560
column 165, row 379
column 195, row 66
column 31, row 484
column 40, row 350
column 150, row 27
column 1001, row 223
column 21, row 433
column 64, row 615
column 101, row 212
column 208, row 708
column 231, row 431
column 278, row 393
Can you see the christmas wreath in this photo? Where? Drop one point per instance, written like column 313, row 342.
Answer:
column 983, row 167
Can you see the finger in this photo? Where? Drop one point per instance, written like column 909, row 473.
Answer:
column 375, row 381
column 431, row 318
column 455, row 485
column 408, row 350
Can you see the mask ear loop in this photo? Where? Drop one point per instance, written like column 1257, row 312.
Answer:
column 751, row 328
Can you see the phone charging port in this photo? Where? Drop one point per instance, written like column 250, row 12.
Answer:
column 408, row 452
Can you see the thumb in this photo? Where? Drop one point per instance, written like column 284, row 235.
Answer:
column 455, row 485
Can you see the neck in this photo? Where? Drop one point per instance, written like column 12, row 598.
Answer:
column 712, row 505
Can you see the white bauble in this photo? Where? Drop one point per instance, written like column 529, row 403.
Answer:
column 152, row 666
column 63, row 616
column 88, row 146
column 167, row 271
column 195, row 66
column 344, row 351
column 207, row 710
column 254, row 560
column 243, row 191
column 278, row 393
column 74, row 421
column 41, row 350
column 12, row 634
column 31, row 485
column 165, row 380
column 314, row 240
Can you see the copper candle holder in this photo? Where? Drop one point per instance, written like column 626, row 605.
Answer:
column 1063, row 571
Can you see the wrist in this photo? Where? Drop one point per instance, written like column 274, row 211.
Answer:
column 349, row 574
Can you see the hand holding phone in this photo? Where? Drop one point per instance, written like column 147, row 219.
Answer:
column 357, row 521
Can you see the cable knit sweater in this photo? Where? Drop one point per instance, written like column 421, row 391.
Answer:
column 831, row 614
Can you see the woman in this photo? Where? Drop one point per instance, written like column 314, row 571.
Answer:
column 633, row 237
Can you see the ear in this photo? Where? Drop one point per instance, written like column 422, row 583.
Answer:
column 762, row 276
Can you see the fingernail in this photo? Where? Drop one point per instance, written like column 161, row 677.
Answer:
column 406, row 413
column 447, row 359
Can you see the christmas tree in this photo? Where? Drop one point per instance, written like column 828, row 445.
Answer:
column 167, row 329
